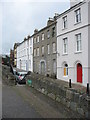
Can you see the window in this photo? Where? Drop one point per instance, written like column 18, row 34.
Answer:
column 38, row 38
column 65, row 70
column 30, row 42
column 30, row 64
column 37, row 51
column 77, row 16
column 30, row 50
column 48, row 46
column 42, row 36
column 48, row 34
column 64, row 45
column 35, row 40
column 53, row 31
column 78, row 42
column 34, row 52
column 54, row 47
column 64, row 22
column 27, row 43
column 42, row 50
column 27, row 51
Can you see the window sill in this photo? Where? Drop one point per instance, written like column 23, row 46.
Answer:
column 77, row 23
column 64, row 28
column 64, row 54
column 77, row 52
column 65, row 76
column 54, row 52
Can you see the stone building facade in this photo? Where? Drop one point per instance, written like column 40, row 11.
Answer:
column 44, row 49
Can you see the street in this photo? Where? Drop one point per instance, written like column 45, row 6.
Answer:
column 21, row 101
column 13, row 106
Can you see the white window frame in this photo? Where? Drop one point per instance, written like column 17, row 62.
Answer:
column 30, row 50
column 78, row 15
column 38, row 51
column 48, row 48
column 30, row 42
column 65, row 45
column 38, row 38
column 42, row 36
column 42, row 50
column 35, row 40
column 34, row 52
column 54, row 47
column 64, row 22
column 78, row 42
column 48, row 34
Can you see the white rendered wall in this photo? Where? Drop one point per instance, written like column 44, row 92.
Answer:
column 22, row 55
column 72, row 57
column 31, row 54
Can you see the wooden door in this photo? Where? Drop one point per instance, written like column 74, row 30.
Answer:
column 79, row 73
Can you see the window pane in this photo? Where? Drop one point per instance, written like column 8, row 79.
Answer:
column 54, row 47
column 78, row 42
column 53, row 31
column 65, row 22
column 78, row 15
column 38, row 39
column 48, row 49
column 43, row 36
column 48, row 34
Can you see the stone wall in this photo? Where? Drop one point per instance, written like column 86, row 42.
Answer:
column 70, row 97
column 7, row 76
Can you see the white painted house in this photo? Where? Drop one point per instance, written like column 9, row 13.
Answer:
column 73, row 43
column 24, row 54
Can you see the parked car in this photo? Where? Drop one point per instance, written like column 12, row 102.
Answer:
column 20, row 77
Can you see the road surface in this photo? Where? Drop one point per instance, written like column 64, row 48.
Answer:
column 24, row 102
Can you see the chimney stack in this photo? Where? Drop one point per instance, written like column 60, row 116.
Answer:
column 35, row 31
column 50, row 21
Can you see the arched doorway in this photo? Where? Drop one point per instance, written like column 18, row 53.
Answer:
column 42, row 67
column 79, row 73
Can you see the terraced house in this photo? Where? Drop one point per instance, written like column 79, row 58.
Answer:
column 73, row 43
column 44, row 49
column 25, row 54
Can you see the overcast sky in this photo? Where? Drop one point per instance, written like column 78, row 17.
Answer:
column 21, row 17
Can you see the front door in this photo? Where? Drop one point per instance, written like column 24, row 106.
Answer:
column 79, row 73
column 42, row 68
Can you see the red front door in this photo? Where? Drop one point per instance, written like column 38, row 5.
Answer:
column 79, row 73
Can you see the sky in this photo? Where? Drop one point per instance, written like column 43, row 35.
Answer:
column 21, row 17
